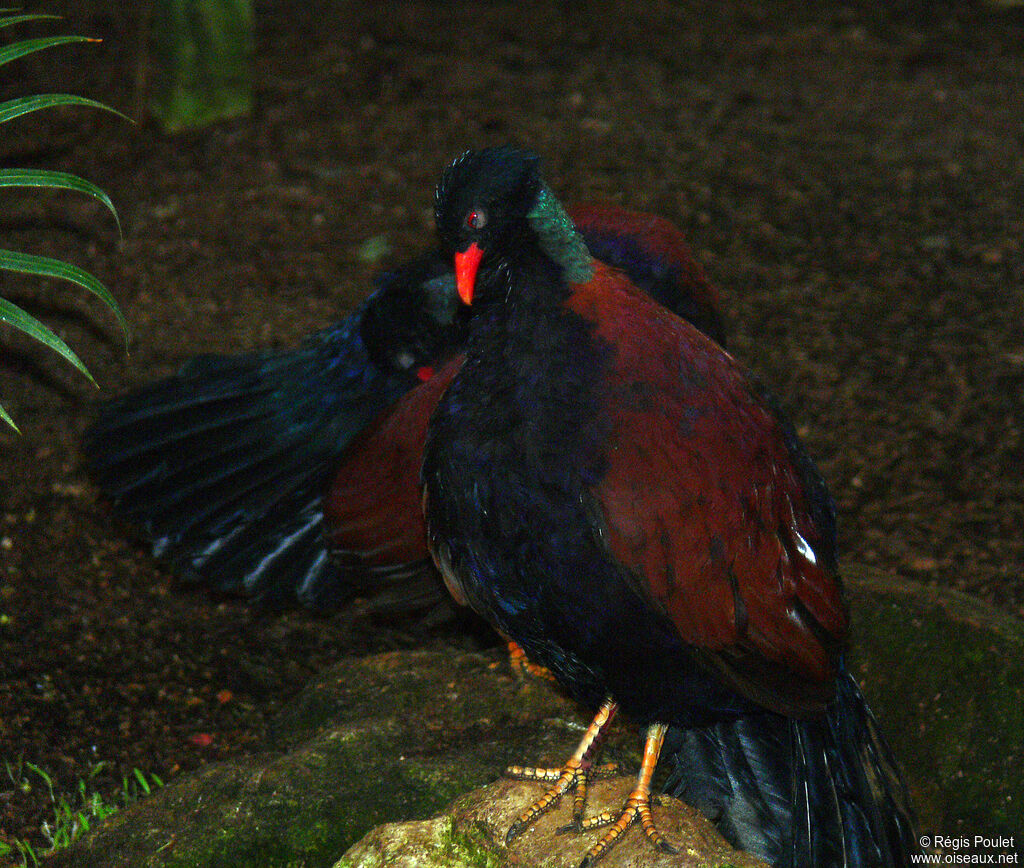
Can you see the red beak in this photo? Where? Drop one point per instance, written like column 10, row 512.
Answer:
column 466, row 264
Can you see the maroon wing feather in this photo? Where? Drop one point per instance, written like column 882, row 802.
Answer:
column 672, row 273
column 657, row 236
column 703, row 503
column 373, row 508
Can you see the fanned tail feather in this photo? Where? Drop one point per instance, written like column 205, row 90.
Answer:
column 224, row 463
column 822, row 792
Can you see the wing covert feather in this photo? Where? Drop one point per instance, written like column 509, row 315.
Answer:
column 705, row 504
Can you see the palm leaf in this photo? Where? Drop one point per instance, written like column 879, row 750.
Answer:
column 18, row 19
column 29, row 46
column 44, row 266
column 6, row 418
column 14, row 316
column 24, row 104
column 56, row 181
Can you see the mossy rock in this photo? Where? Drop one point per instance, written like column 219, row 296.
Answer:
column 944, row 673
column 471, row 834
column 397, row 737
column 369, row 741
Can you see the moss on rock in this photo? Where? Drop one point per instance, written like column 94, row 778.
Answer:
column 944, row 674
column 397, row 737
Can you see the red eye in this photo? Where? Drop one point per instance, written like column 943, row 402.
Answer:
column 476, row 219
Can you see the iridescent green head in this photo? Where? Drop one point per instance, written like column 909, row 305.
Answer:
column 488, row 200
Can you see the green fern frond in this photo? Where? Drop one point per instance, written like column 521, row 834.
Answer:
column 41, row 266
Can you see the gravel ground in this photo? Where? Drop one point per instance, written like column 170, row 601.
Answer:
column 851, row 176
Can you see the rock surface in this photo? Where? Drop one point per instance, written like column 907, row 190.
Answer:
column 383, row 738
column 471, row 833
column 397, row 737
column 944, row 674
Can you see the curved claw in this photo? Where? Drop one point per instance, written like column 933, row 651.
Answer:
column 571, row 777
column 637, row 807
column 516, row 829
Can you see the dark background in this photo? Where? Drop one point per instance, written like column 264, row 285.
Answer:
column 851, row 177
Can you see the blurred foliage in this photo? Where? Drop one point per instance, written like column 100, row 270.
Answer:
column 202, row 62
column 41, row 266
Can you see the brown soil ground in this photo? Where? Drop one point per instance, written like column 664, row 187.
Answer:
column 852, row 177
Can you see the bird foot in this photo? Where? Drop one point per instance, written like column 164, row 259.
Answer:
column 575, row 774
column 522, row 666
column 573, row 778
column 636, row 809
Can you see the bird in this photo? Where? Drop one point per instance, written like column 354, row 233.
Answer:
column 261, row 473
column 222, row 465
column 613, row 492
column 373, row 519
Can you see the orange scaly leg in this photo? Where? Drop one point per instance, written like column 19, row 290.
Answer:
column 571, row 777
column 637, row 807
column 520, row 663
